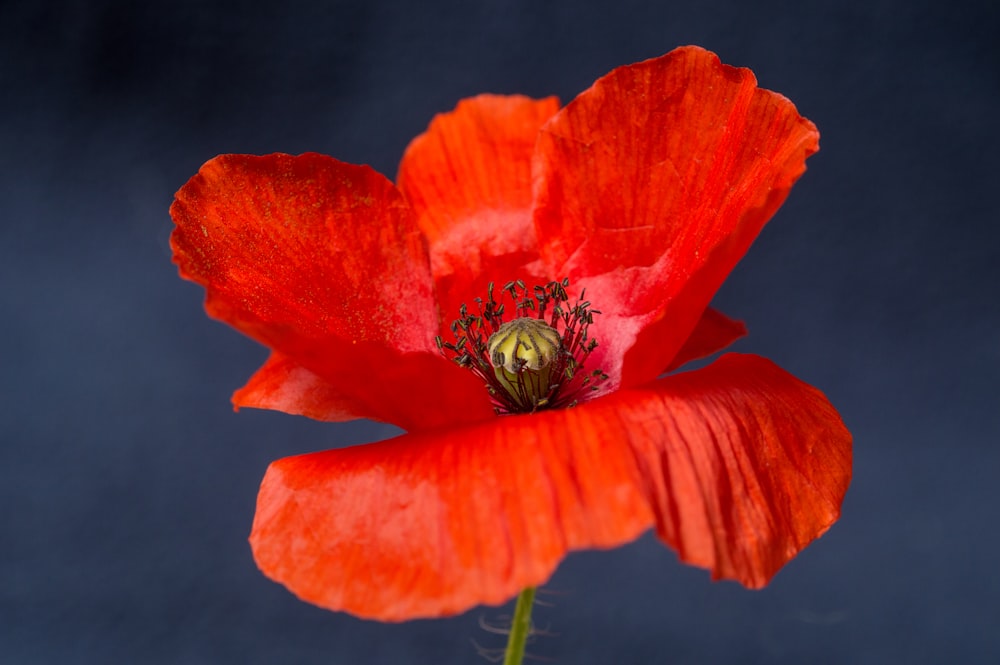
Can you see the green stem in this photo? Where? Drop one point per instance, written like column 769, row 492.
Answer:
column 520, row 628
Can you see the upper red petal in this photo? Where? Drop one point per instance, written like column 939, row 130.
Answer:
column 323, row 262
column 738, row 465
column 469, row 180
column 651, row 185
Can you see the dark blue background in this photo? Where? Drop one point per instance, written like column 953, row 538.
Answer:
column 127, row 485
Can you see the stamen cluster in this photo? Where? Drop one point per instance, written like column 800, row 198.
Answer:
column 518, row 385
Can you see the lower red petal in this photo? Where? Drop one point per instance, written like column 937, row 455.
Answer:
column 749, row 466
column 738, row 466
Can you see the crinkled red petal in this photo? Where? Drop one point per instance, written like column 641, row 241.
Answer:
column 713, row 332
column 738, row 466
column 323, row 262
column 469, row 180
column 651, row 185
column 747, row 468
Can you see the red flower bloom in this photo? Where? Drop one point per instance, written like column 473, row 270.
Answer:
column 645, row 190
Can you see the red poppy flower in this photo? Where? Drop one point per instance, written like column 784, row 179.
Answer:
column 644, row 191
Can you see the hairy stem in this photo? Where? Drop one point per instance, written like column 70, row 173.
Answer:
column 520, row 628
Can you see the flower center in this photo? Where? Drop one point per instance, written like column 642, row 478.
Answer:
column 522, row 352
column 535, row 360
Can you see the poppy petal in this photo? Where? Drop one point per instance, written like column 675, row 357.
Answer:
column 714, row 332
column 749, row 466
column 284, row 385
column 738, row 465
column 322, row 262
column 651, row 185
column 468, row 177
